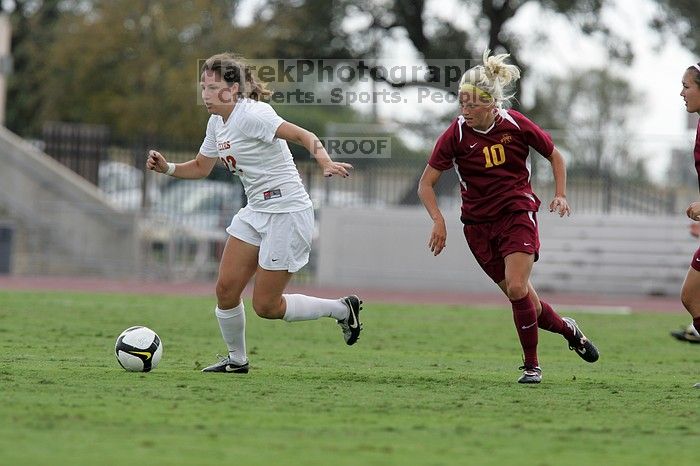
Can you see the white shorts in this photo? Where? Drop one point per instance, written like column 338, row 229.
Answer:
column 284, row 239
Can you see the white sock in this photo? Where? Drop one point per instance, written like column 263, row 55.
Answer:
column 302, row 307
column 232, row 324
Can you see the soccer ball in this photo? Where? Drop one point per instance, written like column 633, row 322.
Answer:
column 138, row 349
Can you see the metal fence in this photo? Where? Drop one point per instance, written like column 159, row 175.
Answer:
column 80, row 147
column 118, row 168
column 184, row 220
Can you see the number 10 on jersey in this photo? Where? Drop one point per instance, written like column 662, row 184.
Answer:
column 494, row 155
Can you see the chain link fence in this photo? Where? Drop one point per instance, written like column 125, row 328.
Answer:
column 183, row 221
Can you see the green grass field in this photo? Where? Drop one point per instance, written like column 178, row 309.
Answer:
column 423, row 386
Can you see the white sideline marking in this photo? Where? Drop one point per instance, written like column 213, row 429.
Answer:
column 593, row 309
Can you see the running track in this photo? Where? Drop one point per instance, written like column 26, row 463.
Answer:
column 591, row 303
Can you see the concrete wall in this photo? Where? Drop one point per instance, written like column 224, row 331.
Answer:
column 582, row 253
column 63, row 224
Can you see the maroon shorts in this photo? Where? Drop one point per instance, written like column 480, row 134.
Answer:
column 696, row 260
column 492, row 242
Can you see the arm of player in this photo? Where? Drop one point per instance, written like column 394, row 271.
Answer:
column 298, row 135
column 559, row 203
column 426, row 193
column 199, row 167
column 693, row 211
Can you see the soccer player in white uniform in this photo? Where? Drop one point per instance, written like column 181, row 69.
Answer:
column 271, row 236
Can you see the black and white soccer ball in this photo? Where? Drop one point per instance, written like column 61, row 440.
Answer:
column 138, row 349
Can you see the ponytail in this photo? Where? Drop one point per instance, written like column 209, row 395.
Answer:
column 257, row 90
column 234, row 70
column 493, row 80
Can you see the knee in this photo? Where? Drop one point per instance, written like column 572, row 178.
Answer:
column 516, row 291
column 267, row 309
column 226, row 295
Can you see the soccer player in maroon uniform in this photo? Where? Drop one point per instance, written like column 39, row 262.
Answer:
column 690, row 293
column 489, row 146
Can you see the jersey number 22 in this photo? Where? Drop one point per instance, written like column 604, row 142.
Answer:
column 230, row 163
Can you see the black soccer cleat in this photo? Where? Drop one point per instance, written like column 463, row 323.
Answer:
column 579, row 343
column 225, row 365
column 530, row 374
column 688, row 334
column 351, row 326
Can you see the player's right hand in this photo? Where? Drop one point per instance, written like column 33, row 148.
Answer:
column 156, row 162
column 438, row 238
column 336, row 168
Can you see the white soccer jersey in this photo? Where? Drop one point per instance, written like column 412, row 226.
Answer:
column 247, row 145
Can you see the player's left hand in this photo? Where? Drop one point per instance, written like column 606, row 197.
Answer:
column 693, row 211
column 337, row 168
column 560, row 206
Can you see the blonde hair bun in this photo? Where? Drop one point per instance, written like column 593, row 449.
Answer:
column 495, row 78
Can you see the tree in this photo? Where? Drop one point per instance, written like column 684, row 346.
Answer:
column 33, row 32
column 680, row 18
column 134, row 65
column 326, row 34
column 587, row 112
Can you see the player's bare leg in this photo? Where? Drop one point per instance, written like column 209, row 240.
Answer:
column 239, row 262
column 267, row 296
column 690, row 296
column 270, row 303
column 517, row 271
column 238, row 265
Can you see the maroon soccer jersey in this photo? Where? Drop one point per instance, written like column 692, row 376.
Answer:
column 492, row 165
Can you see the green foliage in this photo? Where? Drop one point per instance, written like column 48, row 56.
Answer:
column 134, row 65
column 33, row 33
column 431, row 35
column 424, row 385
column 301, row 29
column 680, row 18
column 587, row 113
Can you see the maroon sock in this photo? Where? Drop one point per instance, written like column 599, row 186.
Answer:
column 552, row 322
column 696, row 324
column 525, row 317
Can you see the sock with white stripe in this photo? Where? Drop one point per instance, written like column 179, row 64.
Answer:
column 232, row 325
column 302, row 307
